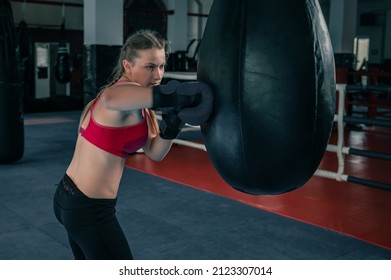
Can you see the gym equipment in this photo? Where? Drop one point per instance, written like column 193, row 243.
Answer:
column 192, row 100
column 170, row 125
column 270, row 65
column 26, row 53
column 63, row 64
column 341, row 150
column 11, row 90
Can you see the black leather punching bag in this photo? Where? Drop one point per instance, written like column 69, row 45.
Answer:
column 63, row 64
column 271, row 67
column 26, row 54
column 11, row 90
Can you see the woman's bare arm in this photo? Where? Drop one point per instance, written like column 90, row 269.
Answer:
column 126, row 97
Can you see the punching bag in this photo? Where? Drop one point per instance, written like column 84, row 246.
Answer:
column 270, row 65
column 11, row 90
column 63, row 63
column 26, row 55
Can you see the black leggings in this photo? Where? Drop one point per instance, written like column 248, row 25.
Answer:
column 92, row 226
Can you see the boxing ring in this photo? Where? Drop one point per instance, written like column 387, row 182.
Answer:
column 339, row 149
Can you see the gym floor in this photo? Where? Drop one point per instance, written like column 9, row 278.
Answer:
column 180, row 208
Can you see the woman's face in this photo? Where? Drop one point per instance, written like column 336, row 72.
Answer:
column 148, row 69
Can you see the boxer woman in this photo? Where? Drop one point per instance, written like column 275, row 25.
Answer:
column 117, row 123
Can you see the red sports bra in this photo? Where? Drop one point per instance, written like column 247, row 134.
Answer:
column 119, row 141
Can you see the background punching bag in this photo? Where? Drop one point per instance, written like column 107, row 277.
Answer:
column 63, row 64
column 26, row 55
column 11, row 91
column 271, row 67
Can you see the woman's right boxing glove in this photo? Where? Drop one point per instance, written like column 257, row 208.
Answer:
column 176, row 94
column 193, row 100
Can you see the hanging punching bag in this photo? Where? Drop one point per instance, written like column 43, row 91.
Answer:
column 63, row 64
column 271, row 67
column 11, row 91
column 26, row 54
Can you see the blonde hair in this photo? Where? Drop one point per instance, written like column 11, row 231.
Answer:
column 141, row 40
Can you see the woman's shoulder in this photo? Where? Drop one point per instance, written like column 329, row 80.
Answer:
column 126, row 81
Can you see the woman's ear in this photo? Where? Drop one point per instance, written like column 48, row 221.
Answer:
column 127, row 66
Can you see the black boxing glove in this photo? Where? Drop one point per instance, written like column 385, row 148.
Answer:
column 175, row 94
column 200, row 113
column 170, row 125
column 192, row 100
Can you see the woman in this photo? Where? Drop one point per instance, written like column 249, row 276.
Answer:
column 114, row 125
